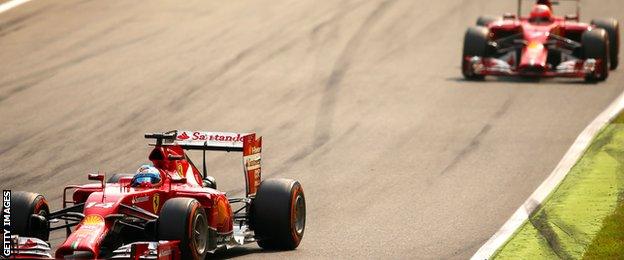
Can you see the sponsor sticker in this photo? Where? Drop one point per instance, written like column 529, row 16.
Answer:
column 136, row 200
column 183, row 136
column 210, row 136
column 93, row 220
column 252, row 162
column 165, row 252
column 6, row 223
column 83, row 232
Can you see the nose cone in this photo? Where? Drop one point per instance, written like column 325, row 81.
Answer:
column 86, row 238
column 534, row 57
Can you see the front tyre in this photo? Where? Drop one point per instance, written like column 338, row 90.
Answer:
column 184, row 219
column 279, row 214
column 29, row 214
column 475, row 45
column 596, row 46
column 613, row 30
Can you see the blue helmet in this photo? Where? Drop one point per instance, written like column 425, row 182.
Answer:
column 146, row 174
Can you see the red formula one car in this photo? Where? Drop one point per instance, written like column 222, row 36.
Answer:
column 167, row 210
column 541, row 45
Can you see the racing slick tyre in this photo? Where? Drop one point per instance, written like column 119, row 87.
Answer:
column 184, row 219
column 596, row 46
column 29, row 213
column 613, row 30
column 115, row 177
column 278, row 214
column 475, row 44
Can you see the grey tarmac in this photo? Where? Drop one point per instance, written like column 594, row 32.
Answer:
column 362, row 101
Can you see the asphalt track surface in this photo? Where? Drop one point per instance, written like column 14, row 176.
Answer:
column 362, row 101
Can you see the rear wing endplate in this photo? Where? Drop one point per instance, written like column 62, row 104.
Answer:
column 220, row 141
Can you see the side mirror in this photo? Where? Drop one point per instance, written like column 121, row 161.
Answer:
column 175, row 157
column 178, row 180
column 571, row 17
column 210, row 182
column 96, row 177
column 509, row 16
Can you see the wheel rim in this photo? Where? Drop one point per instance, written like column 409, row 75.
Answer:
column 299, row 214
column 200, row 228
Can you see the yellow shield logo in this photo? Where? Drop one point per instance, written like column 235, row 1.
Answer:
column 93, row 220
column 156, row 202
column 180, row 170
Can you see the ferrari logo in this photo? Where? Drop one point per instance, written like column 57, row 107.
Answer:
column 180, row 170
column 156, row 202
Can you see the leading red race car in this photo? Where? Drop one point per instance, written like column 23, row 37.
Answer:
column 169, row 210
column 541, row 45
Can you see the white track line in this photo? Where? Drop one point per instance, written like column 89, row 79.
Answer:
column 537, row 198
column 12, row 4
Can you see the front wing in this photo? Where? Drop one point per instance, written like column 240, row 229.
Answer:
column 34, row 248
column 497, row 67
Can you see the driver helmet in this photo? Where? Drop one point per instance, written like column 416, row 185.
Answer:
column 146, row 175
column 545, row 2
column 540, row 14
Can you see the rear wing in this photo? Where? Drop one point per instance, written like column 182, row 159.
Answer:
column 550, row 3
column 220, row 141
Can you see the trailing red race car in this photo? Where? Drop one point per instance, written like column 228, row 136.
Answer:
column 541, row 45
column 169, row 210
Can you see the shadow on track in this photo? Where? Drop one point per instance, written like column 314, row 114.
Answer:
column 525, row 80
column 238, row 252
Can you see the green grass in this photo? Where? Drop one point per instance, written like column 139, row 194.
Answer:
column 609, row 242
column 580, row 218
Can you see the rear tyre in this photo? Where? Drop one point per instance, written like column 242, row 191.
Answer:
column 485, row 20
column 475, row 45
column 29, row 214
column 184, row 219
column 596, row 46
column 278, row 214
column 613, row 30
